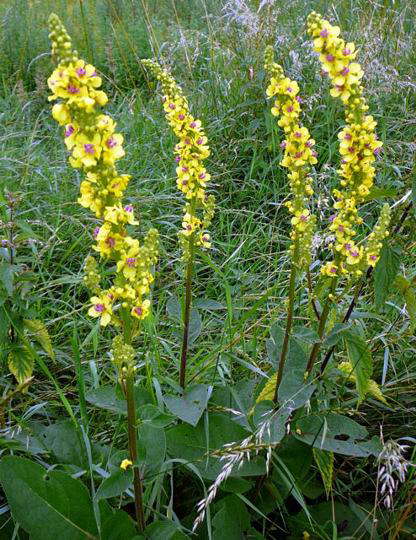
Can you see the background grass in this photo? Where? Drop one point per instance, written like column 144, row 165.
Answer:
column 215, row 50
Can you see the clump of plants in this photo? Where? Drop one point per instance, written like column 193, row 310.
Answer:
column 191, row 458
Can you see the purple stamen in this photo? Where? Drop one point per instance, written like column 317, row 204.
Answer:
column 128, row 208
column 345, row 71
column 200, row 140
column 96, row 231
column 110, row 242
column 330, row 57
column 99, row 308
column 131, row 261
column 324, row 33
column 72, row 89
column 181, row 116
column 111, row 143
column 81, row 71
column 192, row 125
column 333, row 270
column 290, row 108
column 138, row 311
column 346, row 52
column 89, row 148
column 172, row 106
column 69, row 130
column 201, row 176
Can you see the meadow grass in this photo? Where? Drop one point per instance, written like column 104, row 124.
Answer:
column 215, row 50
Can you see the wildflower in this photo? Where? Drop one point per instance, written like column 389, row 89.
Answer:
column 95, row 148
column 191, row 151
column 125, row 464
column 392, row 470
column 298, row 157
column 358, row 145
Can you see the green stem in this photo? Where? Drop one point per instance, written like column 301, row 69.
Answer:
column 289, row 321
column 321, row 328
column 187, row 312
column 132, row 438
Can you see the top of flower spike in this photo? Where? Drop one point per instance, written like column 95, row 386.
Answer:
column 61, row 42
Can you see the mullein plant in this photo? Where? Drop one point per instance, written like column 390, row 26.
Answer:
column 95, row 146
column 358, row 146
column 299, row 156
column 192, row 178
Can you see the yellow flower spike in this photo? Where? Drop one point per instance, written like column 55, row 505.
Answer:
column 358, row 146
column 95, row 147
column 191, row 150
column 299, row 155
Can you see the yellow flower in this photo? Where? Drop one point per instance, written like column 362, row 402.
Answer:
column 125, row 464
column 61, row 114
column 112, row 148
column 102, row 308
column 141, row 311
column 87, row 150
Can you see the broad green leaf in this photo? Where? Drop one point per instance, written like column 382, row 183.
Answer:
column 191, row 405
column 377, row 192
column 21, row 362
column 325, row 463
column 336, row 433
column 336, row 334
column 267, row 394
column 385, row 272
column 39, row 332
column 112, row 399
column 173, row 308
column 151, row 448
column 192, row 444
column 7, row 276
column 47, row 504
column 208, row 304
column 292, row 388
column 231, row 520
column 164, row 530
column 305, row 335
column 406, row 289
column 62, row 440
column 118, row 526
column 115, row 484
column 373, row 388
column 359, row 356
column 195, row 326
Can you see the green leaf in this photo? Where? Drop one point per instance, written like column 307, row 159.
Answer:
column 385, row 273
column 377, row 192
column 7, row 276
column 190, row 407
column 292, row 389
column 112, row 399
column 359, row 356
column 115, row 484
column 39, row 332
column 195, row 326
column 173, row 308
column 164, row 530
column 231, row 520
column 151, row 448
column 47, row 504
column 336, row 334
column 118, row 526
column 336, row 433
column 325, row 463
column 305, row 335
column 62, row 440
column 193, row 443
column 208, row 304
column 405, row 288
column 20, row 362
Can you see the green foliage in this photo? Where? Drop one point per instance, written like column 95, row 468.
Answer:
column 359, row 357
column 325, row 462
column 386, row 272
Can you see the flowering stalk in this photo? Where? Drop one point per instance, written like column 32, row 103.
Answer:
column 192, row 178
column 95, row 147
column 359, row 147
column 299, row 155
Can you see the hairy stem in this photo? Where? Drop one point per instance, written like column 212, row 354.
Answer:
column 132, row 438
column 187, row 311
column 288, row 329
